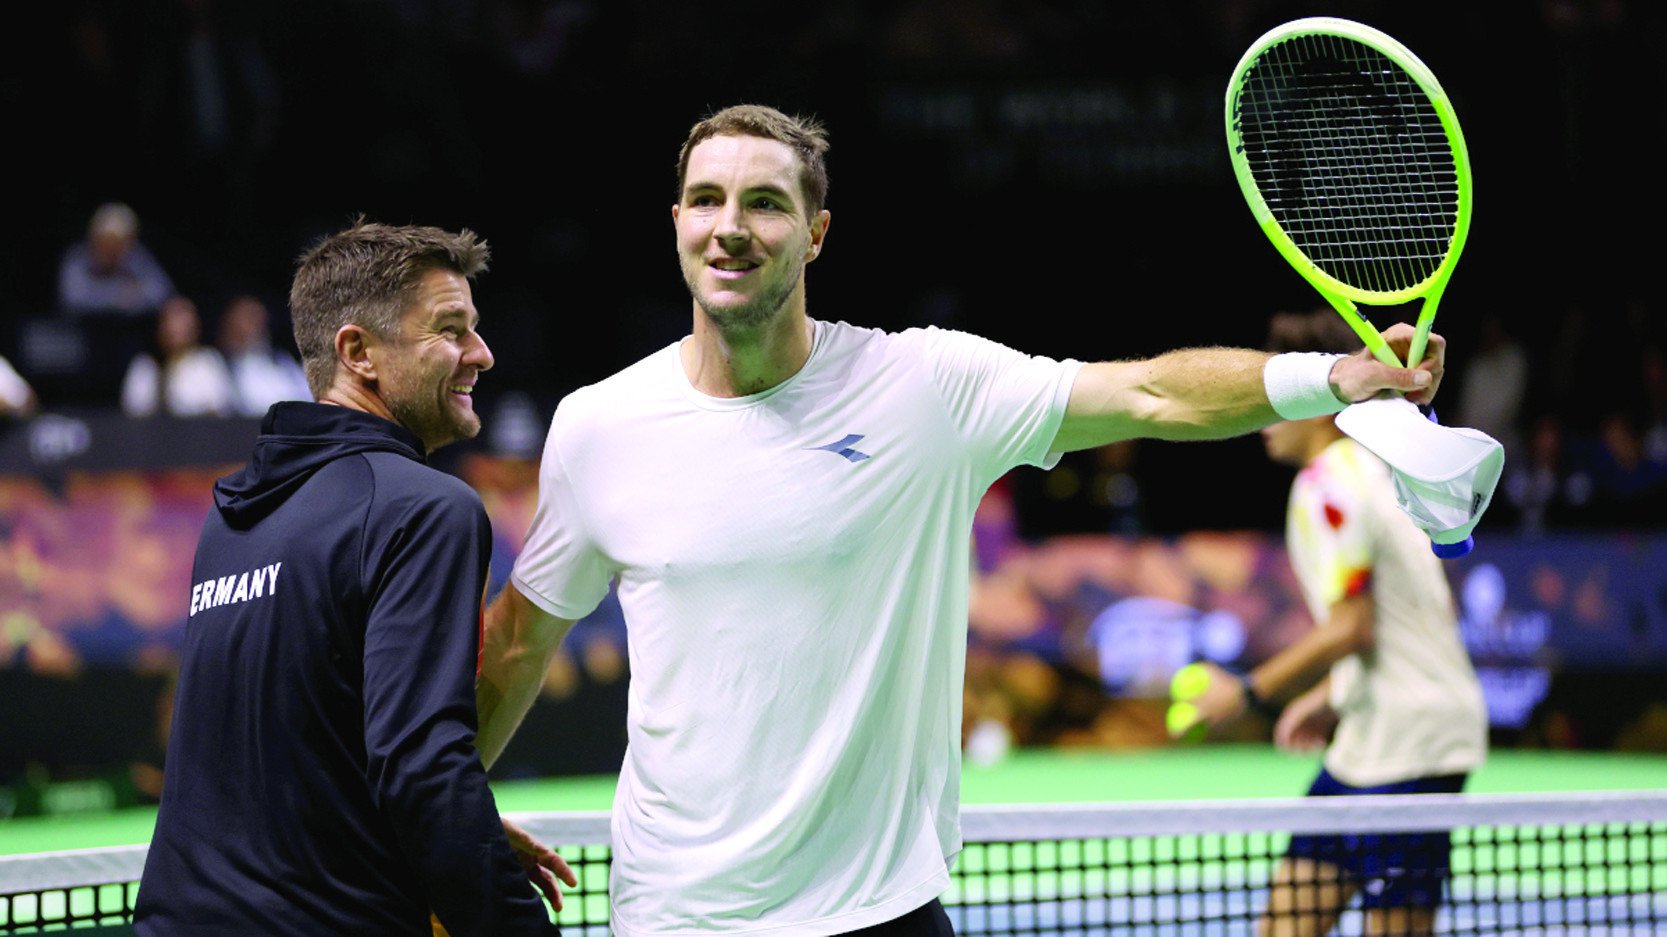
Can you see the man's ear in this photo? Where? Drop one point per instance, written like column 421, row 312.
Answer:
column 353, row 347
column 818, row 231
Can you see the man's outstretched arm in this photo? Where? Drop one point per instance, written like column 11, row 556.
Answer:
column 1215, row 393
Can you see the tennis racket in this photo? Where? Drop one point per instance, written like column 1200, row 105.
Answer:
column 1351, row 158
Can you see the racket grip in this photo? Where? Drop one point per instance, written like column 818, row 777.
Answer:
column 1421, row 332
column 1415, row 354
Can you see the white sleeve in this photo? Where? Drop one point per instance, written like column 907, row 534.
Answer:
column 1007, row 404
column 560, row 569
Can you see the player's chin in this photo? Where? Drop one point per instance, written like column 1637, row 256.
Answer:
column 735, row 312
column 727, row 303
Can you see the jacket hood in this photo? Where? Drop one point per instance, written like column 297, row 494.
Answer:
column 297, row 439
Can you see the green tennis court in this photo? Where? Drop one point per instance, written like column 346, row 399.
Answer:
column 1210, row 772
column 1178, row 841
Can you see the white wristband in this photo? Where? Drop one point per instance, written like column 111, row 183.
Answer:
column 1299, row 384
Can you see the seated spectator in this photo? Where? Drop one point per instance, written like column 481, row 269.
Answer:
column 17, row 398
column 1629, row 484
column 261, row 374
column 1547, row 490
column 1494, row 384
column 180, row 375
column 111, row 271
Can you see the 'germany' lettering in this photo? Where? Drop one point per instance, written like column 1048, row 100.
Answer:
column 238, row 587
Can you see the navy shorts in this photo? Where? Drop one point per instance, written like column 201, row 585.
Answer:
column 928, row 920
column 1394, row 870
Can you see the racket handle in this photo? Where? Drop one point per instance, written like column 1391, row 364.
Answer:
column 1421, row 334
column 1415, row 353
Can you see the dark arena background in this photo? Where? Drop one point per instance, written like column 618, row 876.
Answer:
column 1049, row 174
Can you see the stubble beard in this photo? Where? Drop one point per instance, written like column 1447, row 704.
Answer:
column 436, row 424
column 748, row 319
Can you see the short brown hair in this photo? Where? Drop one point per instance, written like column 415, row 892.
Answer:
column 804, row 135
column 1319, row 329
column 367, row 275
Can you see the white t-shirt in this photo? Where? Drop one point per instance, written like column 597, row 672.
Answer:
column 793, row 570
column 262, row 377
column 1410, row 706
column 198, row 384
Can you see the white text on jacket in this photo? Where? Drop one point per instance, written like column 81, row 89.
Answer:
column 234, row 588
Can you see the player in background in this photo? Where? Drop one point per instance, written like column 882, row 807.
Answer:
column 1382, row 683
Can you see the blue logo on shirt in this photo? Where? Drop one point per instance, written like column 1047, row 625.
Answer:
column 844, row 448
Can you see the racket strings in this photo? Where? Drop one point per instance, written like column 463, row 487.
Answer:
column 1352, row 160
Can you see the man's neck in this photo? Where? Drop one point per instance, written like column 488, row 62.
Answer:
column 353, row 396
column 736, row 364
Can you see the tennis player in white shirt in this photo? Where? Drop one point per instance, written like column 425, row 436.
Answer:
column 784, row 505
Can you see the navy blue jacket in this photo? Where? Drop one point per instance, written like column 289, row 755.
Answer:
column 321, row 775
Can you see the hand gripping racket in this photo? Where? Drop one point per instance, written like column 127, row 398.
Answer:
column 1351, row 158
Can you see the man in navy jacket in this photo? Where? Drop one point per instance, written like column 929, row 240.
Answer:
column 321, row 775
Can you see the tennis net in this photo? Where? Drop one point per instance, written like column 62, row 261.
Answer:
column 1587, row 863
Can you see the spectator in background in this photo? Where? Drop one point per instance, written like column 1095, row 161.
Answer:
column 1545, row 490
column 17, row 398
column 180, row 375
column 1494, row 381
column 261, row 375
column 1628, row 483
column 112, row 270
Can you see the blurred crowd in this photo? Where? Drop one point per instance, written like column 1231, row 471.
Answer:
column 1586, row 447
column 114, row 295
column 236, row 132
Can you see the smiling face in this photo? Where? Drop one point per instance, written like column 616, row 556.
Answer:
column 743, row 232
column 426, row 374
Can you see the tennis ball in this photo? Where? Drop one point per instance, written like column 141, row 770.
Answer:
column 1183, row 722
column 1189, row 682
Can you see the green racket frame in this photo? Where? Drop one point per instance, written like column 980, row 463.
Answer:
column 1344, row 296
